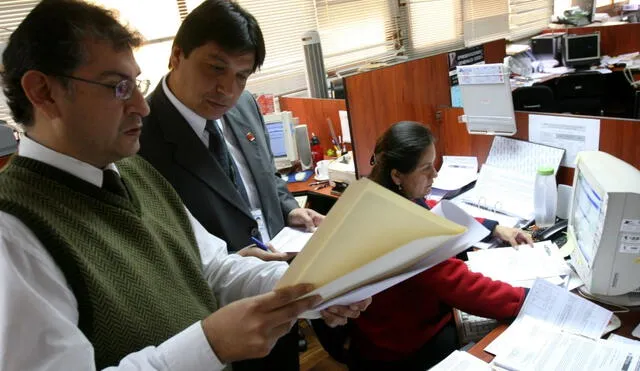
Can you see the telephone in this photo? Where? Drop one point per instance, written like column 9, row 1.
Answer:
column 555, row 233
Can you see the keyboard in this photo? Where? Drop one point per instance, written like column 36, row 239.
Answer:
column 472, row 328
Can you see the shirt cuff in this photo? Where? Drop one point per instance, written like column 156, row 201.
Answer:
column 190, row 350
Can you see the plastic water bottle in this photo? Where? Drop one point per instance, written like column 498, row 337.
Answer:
column 545, row 197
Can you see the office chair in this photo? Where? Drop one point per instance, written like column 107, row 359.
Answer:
column 580, row 93
column 636, row 106
column 537, row 98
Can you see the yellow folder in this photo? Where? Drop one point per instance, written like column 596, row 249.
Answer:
column 366, row 224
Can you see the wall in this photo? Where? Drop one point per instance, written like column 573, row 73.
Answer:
column 614, row 40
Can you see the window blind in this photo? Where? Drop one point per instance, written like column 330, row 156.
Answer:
column 485, row 20
column 528, row 17
column 433, row 26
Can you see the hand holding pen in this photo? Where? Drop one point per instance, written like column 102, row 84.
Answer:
column 264, row 252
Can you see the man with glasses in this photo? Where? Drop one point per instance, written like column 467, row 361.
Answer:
column 100, row 263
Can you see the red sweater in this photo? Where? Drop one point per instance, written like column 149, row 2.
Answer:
column 403, row 318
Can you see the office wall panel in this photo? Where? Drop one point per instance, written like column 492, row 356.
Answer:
column 614, row 40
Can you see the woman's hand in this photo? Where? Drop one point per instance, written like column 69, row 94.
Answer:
column 513, row 236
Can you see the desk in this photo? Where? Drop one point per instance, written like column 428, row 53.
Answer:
column 320, row 200
column 629, row 321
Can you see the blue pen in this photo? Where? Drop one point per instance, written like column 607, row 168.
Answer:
column 259, row 244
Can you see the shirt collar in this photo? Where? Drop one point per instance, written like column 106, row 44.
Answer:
column 36, row 151
column 194, row 120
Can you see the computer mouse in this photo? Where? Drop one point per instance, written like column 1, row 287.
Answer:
column 300, row 176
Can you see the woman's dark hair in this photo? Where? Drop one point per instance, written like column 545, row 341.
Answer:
column 52, row 39
column 400, row 148
column 227, row 24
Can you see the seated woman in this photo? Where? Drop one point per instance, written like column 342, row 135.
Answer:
column 410, row 326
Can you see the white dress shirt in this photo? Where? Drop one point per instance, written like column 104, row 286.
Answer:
column 39, row 314
column 198, row 124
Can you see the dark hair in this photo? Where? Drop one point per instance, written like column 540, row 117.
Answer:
column 400, row 148
column 52, row 39
column 227, row 24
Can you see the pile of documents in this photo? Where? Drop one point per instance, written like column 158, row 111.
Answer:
column 373, row 239
column 557, row 330
column 506, row 181
column 455, row 173
column 522, row 266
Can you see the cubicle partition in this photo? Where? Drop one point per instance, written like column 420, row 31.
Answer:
column 412, row 90
column 314, row 113
column 618, row 137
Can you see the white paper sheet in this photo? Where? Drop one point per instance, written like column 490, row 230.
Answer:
column 621, row 339
column 475, row 232
column 461, row 361
column 521, row 156
column 290, row 240
column 571, row 133
column 502, row 219
column 456, row 172
column 550, row 308
column 525, row 263
column 344, row 126
column 502, row 190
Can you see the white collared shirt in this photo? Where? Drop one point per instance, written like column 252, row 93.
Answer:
column 198, row 124
column 39, row 314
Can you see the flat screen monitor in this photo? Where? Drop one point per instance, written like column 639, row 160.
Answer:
column 581, row 50
column 604, row 227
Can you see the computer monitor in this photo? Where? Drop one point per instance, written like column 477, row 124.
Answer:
column 604, row 227
column 8, row 143
column 281, row 138
column 581, row 51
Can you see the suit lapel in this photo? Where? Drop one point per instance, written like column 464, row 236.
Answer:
column 189, row 151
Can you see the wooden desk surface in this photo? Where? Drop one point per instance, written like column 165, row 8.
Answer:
column 629, row 321
column 299, row 188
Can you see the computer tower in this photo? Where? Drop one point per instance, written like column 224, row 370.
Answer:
column 547, row 46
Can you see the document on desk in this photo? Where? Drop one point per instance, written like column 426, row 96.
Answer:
column 456, row 172
column 550, row 309
column 504, row 191
column 570, row 133
column 290, row 240
column 520, row 266
column 461, row 361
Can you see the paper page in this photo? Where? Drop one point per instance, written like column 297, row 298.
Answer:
column 456, row 172
column 344, row 126
column 474, row 232
column 461, row 361
column 502, row 219
column 564, row 310
column 290, row 240
column 570, row 133
column 526, row 263
column 521, row 156
column 502, row 190
column 481, row 74
column 367, row 222
column 621, row 339
column 543, row 348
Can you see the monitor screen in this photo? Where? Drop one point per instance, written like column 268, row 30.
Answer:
column 587, row 217
column 276, row 137
column 583, row 47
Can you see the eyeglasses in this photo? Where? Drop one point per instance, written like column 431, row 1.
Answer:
column 122, row 90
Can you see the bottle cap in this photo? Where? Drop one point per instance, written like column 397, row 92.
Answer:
column 545, row 170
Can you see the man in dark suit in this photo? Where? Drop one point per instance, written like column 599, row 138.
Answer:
column 207, row 137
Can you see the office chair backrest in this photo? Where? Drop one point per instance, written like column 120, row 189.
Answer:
column 538, row 98
column 588, row 84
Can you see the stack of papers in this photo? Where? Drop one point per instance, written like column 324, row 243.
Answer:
column 507, row 179
column 522, row 266
column 455, row 173
column 373, row 239
column 461, row 361
column 557, row 330
column 290, row 240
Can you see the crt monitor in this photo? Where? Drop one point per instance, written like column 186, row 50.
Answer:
column 581, row 51
column 604, row 227
column 281, row 138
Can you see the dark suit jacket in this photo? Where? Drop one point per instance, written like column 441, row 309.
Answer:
column 169, row 143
